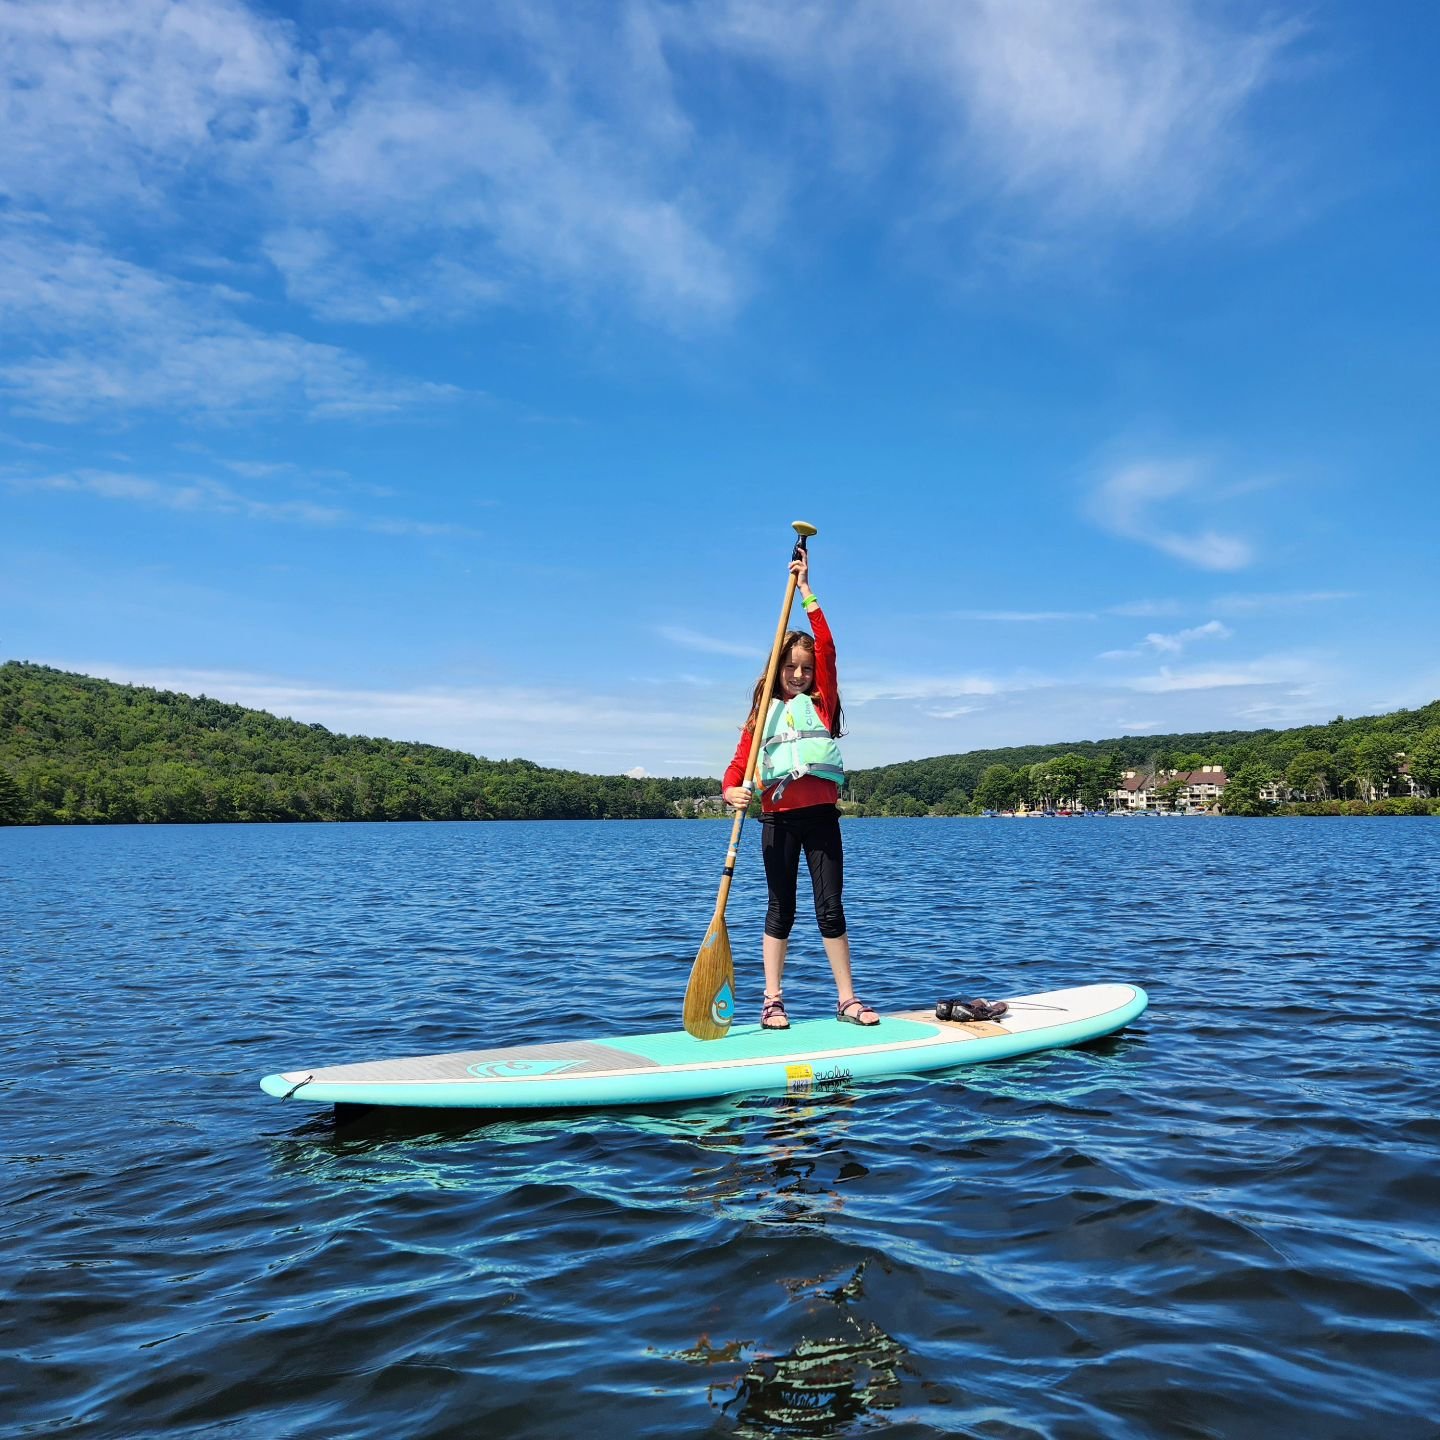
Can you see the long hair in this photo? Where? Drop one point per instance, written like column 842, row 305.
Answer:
column 806, row 641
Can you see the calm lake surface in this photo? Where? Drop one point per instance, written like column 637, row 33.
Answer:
column 1225, row 1222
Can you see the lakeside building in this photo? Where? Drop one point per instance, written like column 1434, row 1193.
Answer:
column 1199, row 789
column 1202, row 789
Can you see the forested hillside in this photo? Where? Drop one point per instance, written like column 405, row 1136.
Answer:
column 1354, row 759
column 79, row 750
column 74, row 749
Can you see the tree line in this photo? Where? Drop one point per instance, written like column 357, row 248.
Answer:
column 77, row 750
column 1348, row 766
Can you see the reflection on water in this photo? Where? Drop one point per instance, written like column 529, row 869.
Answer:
column 845, row 1368
column 820, row 1386
column 770, row 1160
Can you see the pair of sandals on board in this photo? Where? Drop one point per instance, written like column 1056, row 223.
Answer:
column 957, row 1009
column 853, row 1011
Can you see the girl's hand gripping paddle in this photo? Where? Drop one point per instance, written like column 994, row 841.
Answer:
column 710, row 995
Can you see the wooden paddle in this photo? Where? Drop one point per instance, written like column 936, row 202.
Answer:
column 710, row 995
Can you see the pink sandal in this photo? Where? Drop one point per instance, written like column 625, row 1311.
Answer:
column 774, row 1009
column 842, row 1012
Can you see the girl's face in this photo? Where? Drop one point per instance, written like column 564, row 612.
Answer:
column 797, row 672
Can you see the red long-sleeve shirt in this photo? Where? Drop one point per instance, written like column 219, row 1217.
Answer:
column 808, row 789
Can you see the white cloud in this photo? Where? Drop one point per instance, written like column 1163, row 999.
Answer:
column 537, row 190
column 1147, row 609
column 693, row 640
column 1280, row 602
column 1293, row 673
column 1023, row 616
column 1172, row 644
column 119, row 100
column 390, row 167
column 1131, row 501
column 921, row 688
column 335, row 283
column 380, row 178
column 953, row 713
column 198, row 494
column 1091, row 108
column 106, row 334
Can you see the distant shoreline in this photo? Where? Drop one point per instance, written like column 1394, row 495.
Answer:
column 77, row 750
column 1347, row 810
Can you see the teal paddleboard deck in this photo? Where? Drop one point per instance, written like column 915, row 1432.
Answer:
column 810, row 1056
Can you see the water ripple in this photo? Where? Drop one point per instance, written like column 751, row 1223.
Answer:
column 1219, row 1224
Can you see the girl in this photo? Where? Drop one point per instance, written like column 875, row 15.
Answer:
column 800, row 771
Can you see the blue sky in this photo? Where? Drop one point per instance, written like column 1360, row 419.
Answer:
column 453, row 372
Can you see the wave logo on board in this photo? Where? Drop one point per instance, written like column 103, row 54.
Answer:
column 516, row 1069
column 722, row 1007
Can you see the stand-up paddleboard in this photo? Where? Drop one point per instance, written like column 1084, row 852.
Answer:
column 810, row 1056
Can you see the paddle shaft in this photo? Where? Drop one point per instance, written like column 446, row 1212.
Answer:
column 757, row 736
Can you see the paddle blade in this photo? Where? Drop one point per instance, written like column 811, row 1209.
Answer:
column 710, row 995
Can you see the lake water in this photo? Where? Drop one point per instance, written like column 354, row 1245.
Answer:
column 1225, row 1222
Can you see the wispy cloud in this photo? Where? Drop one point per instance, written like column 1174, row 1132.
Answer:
column 694, row 640
column 954, row 712
column 201, row 495
column 571, row 158
column 1024, row 617
column 1292, row 673
column 106, row 334
column 1279, row 602
column 1146, row 609
column 380, row 179
column 1137, row 502
column 1173, row 644
column 1086, row 108
column 927, row 688
column 335, row 282
column 35, row 446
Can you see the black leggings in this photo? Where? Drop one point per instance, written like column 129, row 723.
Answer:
column 815, row 830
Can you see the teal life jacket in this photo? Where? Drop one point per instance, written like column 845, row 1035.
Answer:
column 797, row 742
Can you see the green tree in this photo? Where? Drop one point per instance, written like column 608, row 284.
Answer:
column 1026, row 788
column 1169, row 793
column 1239, row 756
column 1067, row 776
column 996, row 790
column 12, row 802
column 1242, row 795
column 1310, row 773
column 1102, row 775
column 953, row 802
column 1377, row 762
column 1425, row 760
